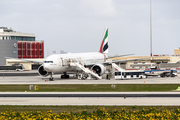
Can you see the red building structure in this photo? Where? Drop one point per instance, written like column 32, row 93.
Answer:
column 30, row 49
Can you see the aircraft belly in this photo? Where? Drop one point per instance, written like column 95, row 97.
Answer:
column 67, row 69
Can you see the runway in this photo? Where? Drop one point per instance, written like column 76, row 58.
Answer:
column 90, row 94
column 157, row 100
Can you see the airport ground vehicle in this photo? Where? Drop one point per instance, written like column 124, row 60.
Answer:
column 12, row 67
column 161, row 73
column 129, row 74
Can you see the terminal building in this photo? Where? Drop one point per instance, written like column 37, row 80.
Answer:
column 19, row 45
column 161, row 61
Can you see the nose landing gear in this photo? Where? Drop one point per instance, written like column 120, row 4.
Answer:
column 51, row 78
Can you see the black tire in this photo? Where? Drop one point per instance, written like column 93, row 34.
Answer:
column 62, row 76
column 172, row 75
column 162, row 75
column 66, row 76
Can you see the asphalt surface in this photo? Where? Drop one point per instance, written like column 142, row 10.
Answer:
column 18, row 73
column 90, row 95
column 70, row 98
column 38, row 80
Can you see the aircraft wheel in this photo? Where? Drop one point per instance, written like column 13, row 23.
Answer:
column 172, row 75
column 62, row 76
column 67, row 76
column 162, row 75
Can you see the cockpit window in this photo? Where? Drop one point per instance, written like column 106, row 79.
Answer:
column 48, row 61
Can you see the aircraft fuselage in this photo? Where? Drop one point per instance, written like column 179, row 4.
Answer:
column 62, row 62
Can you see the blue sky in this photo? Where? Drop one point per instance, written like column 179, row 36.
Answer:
column 78, row 25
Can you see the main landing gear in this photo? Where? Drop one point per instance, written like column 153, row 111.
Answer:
column 64, row 76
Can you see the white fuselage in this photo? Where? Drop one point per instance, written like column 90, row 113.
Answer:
column 61, row 62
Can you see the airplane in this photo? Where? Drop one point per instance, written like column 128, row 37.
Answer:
column 93, row 63
column 64, row 63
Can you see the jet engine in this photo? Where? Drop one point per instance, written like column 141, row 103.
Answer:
column 42, row 71
column 99, row 69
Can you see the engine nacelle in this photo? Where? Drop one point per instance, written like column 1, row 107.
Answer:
column 99, row 68
column 42, row 71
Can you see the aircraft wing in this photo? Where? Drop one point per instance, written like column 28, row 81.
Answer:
column 25, row 60
column 119, row 61
column 119, row 56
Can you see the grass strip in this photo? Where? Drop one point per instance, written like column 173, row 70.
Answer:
column 91, row 88
column 68, row 109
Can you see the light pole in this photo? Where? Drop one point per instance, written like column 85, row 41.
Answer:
column 151, row 31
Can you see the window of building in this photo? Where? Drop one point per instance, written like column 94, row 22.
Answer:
column 13, row 38
column 25, row 38
column 40, row 53
column 19, row 38
column 40, row 46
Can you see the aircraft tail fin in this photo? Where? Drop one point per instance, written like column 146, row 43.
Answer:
column 104, row 44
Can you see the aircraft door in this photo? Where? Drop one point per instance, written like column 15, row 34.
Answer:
column 60, row 62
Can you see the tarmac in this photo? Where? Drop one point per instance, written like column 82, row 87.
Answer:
column 84, row 100
column 18, row 73
column 106, row 101
column 57, row 80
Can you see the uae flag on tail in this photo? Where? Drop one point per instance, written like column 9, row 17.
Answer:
column 104, row 44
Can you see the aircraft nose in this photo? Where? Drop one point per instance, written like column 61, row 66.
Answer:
column 47, row 67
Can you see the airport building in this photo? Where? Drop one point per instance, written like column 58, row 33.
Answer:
column 161, row 61
column 19, row 45
column 177, row 51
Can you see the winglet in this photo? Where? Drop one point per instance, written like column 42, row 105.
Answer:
column 104, row 44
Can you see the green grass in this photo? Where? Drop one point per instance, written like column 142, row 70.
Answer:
column 68, row 109
column 91, row 88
